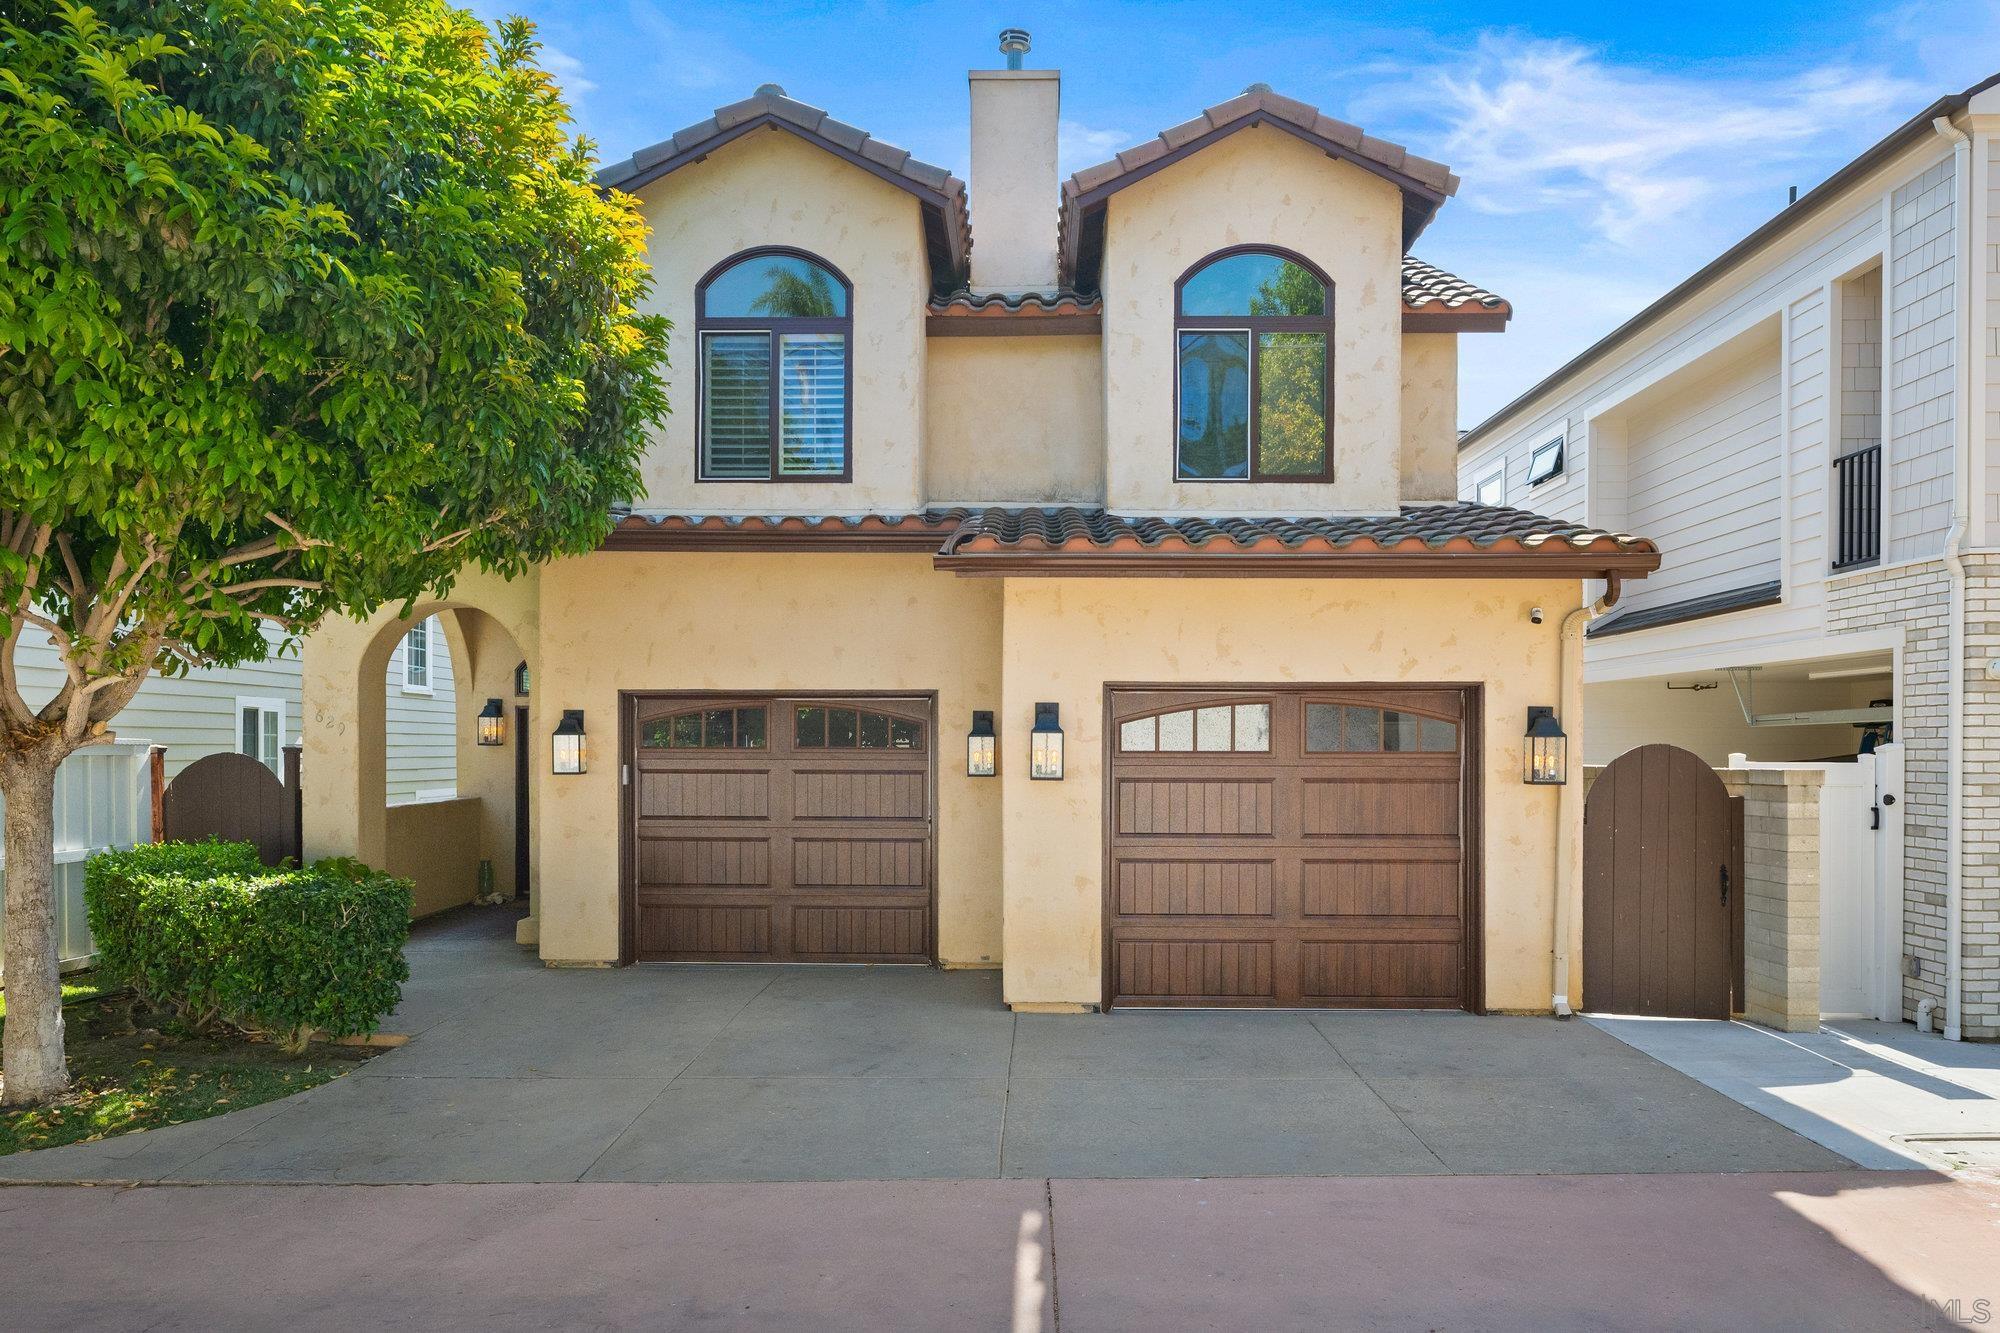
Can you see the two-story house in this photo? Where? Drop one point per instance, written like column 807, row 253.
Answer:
column 1809, row 427
column 1078, row 591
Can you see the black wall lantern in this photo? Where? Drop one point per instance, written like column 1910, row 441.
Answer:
column 979, row 742
column 492, row 724
column 1045, row 745
column 1547, row 749
column 567, row 754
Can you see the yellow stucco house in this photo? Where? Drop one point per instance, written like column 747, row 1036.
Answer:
column 1072, row 585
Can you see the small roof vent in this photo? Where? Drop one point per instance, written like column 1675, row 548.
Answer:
column 769, row 90
column 1014, row 43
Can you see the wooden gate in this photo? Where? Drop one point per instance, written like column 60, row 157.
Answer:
column 1662, row 888
column 235, row 798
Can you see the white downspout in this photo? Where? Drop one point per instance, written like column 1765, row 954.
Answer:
column 1954, row 563
column 1568, row 818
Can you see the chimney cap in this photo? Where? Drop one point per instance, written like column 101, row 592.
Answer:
column 770, row 90
column 1013, row 40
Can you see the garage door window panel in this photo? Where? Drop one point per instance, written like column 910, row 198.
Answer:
column 1211, row 729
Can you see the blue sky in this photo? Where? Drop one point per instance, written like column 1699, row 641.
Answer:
column 1607, row 150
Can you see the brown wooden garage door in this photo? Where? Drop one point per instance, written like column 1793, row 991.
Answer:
column 1291, row 847
column 781, row 829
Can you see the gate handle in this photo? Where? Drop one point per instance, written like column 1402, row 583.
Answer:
column 1725, row 886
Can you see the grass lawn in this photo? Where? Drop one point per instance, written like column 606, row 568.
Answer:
column 76, row 986
column 139, row 1071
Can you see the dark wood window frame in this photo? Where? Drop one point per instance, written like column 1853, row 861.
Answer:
column 704, row 324
column 1252, row 326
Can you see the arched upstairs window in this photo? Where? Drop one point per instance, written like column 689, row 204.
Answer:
column 775, row 329
column 1254, row 371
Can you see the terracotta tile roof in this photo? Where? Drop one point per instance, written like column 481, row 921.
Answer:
column 1426, row 284
column 1425, row 184
column 1443, row 540
column 923, row 531
column 1429, row 527
column 1000, row 304
column 947, row 222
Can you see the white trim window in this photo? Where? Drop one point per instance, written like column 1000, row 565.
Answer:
column 260, row 731
column 1491, row 489
column 417, row 657
column 1546, row 463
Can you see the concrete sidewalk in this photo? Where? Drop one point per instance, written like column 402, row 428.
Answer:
column 1840, row 1250
column 1881, row 1094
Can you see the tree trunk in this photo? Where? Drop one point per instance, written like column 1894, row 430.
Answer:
column 34, row 1069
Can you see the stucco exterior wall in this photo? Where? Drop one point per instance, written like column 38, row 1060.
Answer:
column 1068, row 638
column 1430, row 416
column 1015, row 419
column 1259, row 186
column 728, row 621
column 771, row 188
column 435, row 845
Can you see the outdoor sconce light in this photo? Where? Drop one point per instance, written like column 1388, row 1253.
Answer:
column 492, row 724
column 568, row 751
column 979, row 757
column 1045, row 745
column 1548, row 749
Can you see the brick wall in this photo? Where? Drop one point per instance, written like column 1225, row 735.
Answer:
column 1916, row 598
column 1781, row 924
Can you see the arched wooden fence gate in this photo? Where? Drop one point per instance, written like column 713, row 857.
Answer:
column 1662, row 888
column 233, row 797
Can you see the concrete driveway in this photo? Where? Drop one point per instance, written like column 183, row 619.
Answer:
column 517, row 1073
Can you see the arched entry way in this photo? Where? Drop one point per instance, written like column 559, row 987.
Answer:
column 1662, row 887
column 437, row 838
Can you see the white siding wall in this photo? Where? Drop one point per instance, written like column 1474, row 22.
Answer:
column 1920, row 365
column 1704, row 483
column 195, row 715
column 1992, row 332
column 192, row 715
column 422, row 739
column 1809, row 446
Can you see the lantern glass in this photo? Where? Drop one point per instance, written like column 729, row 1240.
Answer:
column 492, row 724
column 1547, row 750
column 1045, row 745
column 979, row 747
column 567, row 754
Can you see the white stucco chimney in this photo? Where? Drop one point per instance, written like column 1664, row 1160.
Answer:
column 1014, row 191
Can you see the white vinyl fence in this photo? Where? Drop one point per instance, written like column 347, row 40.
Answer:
column 103, row 800
column 1861, row 884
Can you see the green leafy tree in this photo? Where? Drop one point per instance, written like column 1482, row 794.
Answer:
column 303, row 308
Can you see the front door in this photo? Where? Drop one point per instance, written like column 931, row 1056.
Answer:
column 781, row 828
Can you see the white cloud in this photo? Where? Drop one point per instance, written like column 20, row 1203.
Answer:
column 568, row 71
column 1079, row 146
column 1543, row 126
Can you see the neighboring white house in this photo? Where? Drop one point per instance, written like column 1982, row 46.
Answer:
column 256, row 709
column 1810, row 429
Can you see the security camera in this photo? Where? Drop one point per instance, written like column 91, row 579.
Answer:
column 1535, row 615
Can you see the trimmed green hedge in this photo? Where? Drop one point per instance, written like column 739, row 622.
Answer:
column 208, row 931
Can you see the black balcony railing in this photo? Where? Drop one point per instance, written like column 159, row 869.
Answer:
column 1858, row 507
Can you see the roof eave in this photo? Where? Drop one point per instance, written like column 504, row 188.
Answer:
column 1096, row 562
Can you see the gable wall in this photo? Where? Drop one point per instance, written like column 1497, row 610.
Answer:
column 1258, row 186
column 772, row 188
